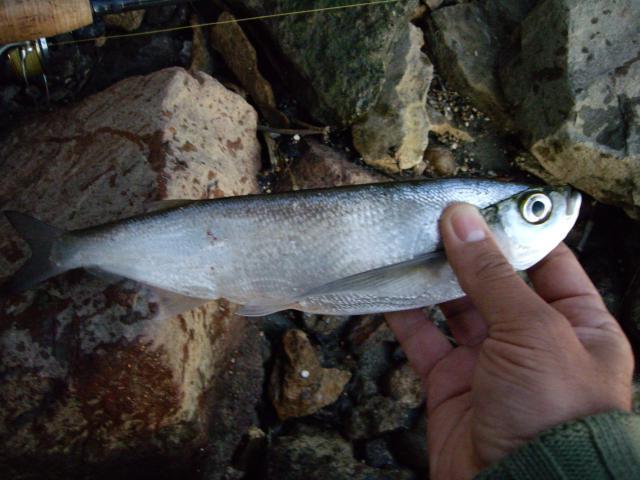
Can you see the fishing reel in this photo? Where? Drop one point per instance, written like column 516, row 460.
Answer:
column 27, row 60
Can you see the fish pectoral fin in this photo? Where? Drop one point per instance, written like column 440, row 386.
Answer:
column 378, row 277
column 261, row 310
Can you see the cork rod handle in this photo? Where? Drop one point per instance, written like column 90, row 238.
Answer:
column 31, row 19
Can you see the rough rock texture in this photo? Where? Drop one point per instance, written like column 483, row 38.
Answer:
column 127, row 21
column 574, row 85
column 299, row 385
column 338, row 71
column 92, row 379
column 404, row 385
column 410, row 446
column 324, row 167
column 394, row 134
column 378, row 415
column 313, row 453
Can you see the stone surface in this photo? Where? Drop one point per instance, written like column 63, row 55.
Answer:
column 403, row 385
column 377, row 415
column 440, row 161
column 299, row 385
column 324, row 167
column 469, row 41
column 230, row 40
column 127, row 21
column 314, row 453
column 93, row 378
column 394, row 134
column 573, row 82
column 336, row 71
column 409, row 447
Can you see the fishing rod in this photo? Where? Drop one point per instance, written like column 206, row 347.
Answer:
column 25, row 26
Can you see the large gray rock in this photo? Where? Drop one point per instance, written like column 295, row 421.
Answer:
column 394, row 134
column 467, row 40
column 574, row 85
column 338, row 70
column 96, row 376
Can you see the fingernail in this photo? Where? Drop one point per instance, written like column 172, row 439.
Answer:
column 468, row 224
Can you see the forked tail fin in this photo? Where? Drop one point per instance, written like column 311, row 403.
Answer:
column 41, row 238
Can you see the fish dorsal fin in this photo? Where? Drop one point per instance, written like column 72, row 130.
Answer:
column 377, row 277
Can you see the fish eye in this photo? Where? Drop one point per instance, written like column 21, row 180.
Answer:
column 536, row 208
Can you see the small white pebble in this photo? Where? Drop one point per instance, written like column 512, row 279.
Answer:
column 305, row 374
column 296, row 138
column 454, row 146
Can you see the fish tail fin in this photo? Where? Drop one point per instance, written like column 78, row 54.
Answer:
column 41, row 238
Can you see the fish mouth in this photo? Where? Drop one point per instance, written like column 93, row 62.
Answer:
column 574, row 200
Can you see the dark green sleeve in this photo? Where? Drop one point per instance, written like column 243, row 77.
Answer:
column 604, row 446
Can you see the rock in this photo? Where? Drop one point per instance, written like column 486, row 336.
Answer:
column 299, row 385
column 249, row 454
column 200, row 56
column 468, row 41
column 377, row 454
column 393, row 135
column 409, row 447
column 441, row 161
column 323, row 325
column 573, row 84
column 313, row 453
column 334, row 69
column 127, row 21
column 92, row 378
column 229, row 39
column 466, row 51
column 403, row 385
column 323, row 167
column 378, row 415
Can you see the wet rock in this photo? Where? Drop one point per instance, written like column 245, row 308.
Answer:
column 323, row 167
column 127, row 21
column 249, row 453
column 337, row 71
column 299, row 385
column 441, row 161
column 377, row 415
column 393, row 135
column 94, row 377
column 314, row 453
column 403, row 385
column 573, row 83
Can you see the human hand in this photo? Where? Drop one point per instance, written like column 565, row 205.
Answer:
column 526, row 361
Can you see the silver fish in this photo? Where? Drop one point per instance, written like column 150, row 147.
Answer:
column 342, row 251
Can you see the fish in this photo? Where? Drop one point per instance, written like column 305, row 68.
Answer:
column 340, row 251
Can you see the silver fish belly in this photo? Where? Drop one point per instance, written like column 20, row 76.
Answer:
column 267, row 251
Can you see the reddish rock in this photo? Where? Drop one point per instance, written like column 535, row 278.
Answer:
column 299, row 385
column 323, row 167
column 95, row 379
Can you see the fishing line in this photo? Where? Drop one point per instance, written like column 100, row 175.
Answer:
column 223, row 22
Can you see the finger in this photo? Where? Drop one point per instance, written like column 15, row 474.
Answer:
column 466, row 324
column 422, row 342
column 493, row 286
column 560, row 280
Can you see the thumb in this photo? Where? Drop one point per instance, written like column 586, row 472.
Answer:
column 485, row 275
